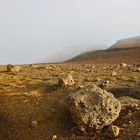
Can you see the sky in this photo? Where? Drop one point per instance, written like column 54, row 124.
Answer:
column 34, row 31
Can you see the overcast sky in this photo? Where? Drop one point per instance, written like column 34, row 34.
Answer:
column 32, row 30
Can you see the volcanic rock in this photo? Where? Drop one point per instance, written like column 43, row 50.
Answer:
column 113, row 131
column 123, row 65
column 114, row 73
column 93, row 108
column 66, row 81
column 103, row 83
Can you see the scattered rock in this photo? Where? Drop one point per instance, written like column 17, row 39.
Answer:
column 16, row 68
column 114, row 73
column 93, row 108
column 10, row 67
column 138, row 69
column 67, row 81
column 88, row 70
column 93, row 67
column 54, row 137
column 104, row 67
column 103, row 83
column 34, row 66
column 34, row 124
column 81, row 86
column 3, row 68
column 130, row 122
column 113, row 131
column 97, row 79
column 124, row 65
column 124, row 125
column 136, row 90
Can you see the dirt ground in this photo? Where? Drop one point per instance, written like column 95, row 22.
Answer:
column 33, row 106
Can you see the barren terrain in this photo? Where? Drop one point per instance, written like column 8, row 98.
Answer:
column 34, row 106
column 110, row 56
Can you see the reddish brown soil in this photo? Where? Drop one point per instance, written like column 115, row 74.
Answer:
column 33, row 94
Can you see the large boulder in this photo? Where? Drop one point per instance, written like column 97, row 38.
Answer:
column 93, row 108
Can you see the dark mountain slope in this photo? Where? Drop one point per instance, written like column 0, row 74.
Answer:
column 126, row 50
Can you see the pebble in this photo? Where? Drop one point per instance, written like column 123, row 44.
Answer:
column 54, row 137
column 34, row 124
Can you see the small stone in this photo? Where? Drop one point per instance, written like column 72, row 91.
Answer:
column 123, row 65
column 34, row 124
column 114, row 73
column 88, row 70
column 92, row 67
column 81, row 86
column 124, row 125
column 66, row 81
column 36, row 103
column 103, row 83
column 138, row 134
column 97, row 79
column 138, row 69
column 130, row 122
column 113, row 131
column 54, row 137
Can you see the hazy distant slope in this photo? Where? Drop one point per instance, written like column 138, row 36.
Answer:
column 126, row 50
column 127, row 43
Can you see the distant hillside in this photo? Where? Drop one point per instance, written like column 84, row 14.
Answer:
column 127, row 50
column 127, row 43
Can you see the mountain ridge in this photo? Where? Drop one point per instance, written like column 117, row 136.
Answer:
column 125, row 50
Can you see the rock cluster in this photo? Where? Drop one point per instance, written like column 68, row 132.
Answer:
column 3, row 68
column 93, row 108
column 16, row 68
column 10, row 68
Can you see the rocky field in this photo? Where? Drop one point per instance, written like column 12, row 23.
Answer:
column 70, row 102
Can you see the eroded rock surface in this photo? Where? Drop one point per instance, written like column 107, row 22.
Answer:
column 112, row 131
column 93, row 108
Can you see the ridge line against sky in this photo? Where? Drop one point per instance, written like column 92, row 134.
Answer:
column 31, row 30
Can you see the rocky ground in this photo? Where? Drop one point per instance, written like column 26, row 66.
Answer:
column 34, row 101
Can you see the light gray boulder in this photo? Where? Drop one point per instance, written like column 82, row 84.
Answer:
column 93, row 108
